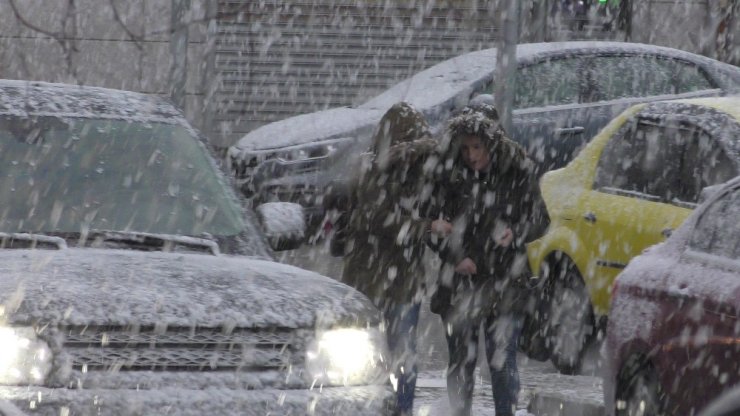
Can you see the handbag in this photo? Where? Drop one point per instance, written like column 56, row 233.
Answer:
column 441, row 300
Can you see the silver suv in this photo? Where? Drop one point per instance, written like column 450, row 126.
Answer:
column 132, row 282
column 564, row 93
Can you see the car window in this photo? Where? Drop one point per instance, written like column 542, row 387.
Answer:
column 688, row 77
column 642, row 158
column 718, row 230
column 613, row 77
column 705, row 163
column 553, row 82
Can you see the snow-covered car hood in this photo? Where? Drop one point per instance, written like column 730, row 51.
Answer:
column 79, row 286
column 335, row 123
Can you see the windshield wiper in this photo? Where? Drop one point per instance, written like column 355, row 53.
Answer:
column 113, row 239
column 150, row 241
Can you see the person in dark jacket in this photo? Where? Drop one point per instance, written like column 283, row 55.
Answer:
column 488, row 192
column 387, row 231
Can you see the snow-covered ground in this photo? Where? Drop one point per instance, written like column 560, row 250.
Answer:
column 431, row 392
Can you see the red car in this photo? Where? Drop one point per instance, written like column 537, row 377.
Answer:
column 673, row 339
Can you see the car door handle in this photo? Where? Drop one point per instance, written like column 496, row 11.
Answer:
column 569, row 130
column 589, row 217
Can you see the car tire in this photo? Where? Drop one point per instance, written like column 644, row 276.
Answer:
column 638, row 391
column 569, row 317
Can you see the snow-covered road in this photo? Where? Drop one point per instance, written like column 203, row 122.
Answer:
column 431, row 393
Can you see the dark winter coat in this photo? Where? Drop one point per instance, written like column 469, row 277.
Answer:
column 388, row 223
column 388, row 227
column 483, row 204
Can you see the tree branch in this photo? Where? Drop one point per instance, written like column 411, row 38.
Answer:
column 218, row 15
column 135, row 38
column 29, row 25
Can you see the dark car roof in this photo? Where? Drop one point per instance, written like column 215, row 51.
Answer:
column 39, row 98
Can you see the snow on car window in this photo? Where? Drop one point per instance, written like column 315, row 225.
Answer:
column 109, row 175
column 718, row 230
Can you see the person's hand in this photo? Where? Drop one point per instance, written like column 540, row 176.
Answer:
column 466, row 266
column 441, row 227
column 504, row 239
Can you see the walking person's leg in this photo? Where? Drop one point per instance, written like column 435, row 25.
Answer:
column 502, row 335
column 402, row 324
column 462, row 343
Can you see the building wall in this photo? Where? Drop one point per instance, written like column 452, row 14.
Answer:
column 279, row 58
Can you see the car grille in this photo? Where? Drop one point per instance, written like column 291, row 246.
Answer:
column 307, row 166
column 243, row 168
column 180, row 349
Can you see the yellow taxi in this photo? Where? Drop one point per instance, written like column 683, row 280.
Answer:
column 628, row 189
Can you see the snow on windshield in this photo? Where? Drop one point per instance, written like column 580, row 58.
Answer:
column 70, row 175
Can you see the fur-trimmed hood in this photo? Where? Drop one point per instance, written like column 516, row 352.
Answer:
column 400, row 125
column 482, row 121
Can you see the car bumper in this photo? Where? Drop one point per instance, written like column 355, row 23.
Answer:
column 356, row 401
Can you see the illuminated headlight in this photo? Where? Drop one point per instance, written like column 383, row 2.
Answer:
column 347, row 357
column 24, row 359
column 314, row 151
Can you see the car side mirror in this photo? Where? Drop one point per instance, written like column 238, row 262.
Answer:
column 284, row 224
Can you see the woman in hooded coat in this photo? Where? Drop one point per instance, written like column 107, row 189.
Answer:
column 387, row 231
column 490, row 197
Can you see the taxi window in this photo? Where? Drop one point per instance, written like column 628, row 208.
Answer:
column 705, row 163
column 643, row 160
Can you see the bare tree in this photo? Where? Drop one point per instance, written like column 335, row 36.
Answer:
column 66, row 37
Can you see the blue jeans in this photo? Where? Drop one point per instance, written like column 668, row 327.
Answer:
column 401, row 321
column 501, row 337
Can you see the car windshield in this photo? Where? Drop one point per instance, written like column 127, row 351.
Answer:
column 105, row 174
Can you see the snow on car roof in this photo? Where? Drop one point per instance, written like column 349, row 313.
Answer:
column 729, row 105
column 714, row 118
column 436, row 84
column 43, row 98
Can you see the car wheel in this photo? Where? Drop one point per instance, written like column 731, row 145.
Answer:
column 638, row 392
column 569, row 317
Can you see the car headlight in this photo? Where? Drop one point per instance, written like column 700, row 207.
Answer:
column 24, row 359
column 347, row 356
column 313, row 150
